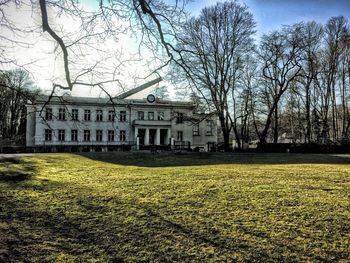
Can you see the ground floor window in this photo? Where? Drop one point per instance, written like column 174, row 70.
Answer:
column 110, row 135
column 61, row 135
column 122, row 136
column 86, row 135
column 196, row 129
column 74, row 135
column 99, row 135
column 180, row 135
column 210, row 127
column 48, row 135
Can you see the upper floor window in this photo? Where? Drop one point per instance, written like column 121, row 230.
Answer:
column 99, row 115
column 48, row 114
column 160, row 115
column 122, row 136
column 122, row 116
column 87, row 115
column 61, row 135
column 62, row 114
column 99, row 135
column 74, row 114
column 111, row 115
column 74, row 135
column 141, row 115
column 111, row 135
column 210, row 127
column 86, row 135
column 48, row 135
column 151, row 115
column 196, row 129
column 179, row 117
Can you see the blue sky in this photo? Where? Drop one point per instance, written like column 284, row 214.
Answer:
column 272, row 14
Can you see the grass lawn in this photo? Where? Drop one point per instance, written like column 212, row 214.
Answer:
column 135, row 207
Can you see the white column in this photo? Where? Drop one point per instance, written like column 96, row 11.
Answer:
column 158, row 137
column 167, row 137
column 172, row 143
column 136, row 133
column 137, row 143
column 147, row 137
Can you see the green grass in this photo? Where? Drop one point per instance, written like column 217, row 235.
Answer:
column 132, row 207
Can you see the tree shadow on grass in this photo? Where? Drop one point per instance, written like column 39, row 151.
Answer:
column 15, row 170
column 128, row 231
column 164, row 159
column 94, row 230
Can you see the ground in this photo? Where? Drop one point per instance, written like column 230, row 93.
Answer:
column 137, row 207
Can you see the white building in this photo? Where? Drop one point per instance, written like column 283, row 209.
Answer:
column 100, row 124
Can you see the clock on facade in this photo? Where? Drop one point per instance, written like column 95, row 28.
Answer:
column 151, row 98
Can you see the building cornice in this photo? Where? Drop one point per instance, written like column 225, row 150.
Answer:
column 93, row 101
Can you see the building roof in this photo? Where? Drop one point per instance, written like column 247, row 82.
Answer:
column 99, row 101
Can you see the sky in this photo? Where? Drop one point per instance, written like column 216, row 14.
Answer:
column 269, row 15
column 272, row 14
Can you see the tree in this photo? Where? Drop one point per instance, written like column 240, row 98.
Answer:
column 211, row 55
column 311, row 35
column 162, row 93
column 280, row 53
column 16, row 88
column 336, row 33
column 80, row 47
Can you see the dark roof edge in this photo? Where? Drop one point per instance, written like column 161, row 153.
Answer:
column 108, row 101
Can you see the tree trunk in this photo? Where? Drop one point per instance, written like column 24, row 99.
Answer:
column 275, row 130
column 307, row 114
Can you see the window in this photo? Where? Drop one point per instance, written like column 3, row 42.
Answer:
column 110, row 135
column 87, row 115
column 99, row 135
column 179, row 117
column 62, row 114
column 48, row 114
column 74, row 114
column 111, row 115
column 122, row 116
column 122, row 136
column 99, row 115
column 210, row 127
column 48, row 135
column 160, row 116
column 141, row 115
column 61, row 135
column 74, row 135
column 180, row 135
column 196, row 129
column 151, row 115
column 86, row 135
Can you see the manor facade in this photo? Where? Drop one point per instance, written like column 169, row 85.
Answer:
column 101, row 124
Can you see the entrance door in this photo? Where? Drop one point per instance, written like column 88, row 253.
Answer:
column 163, row 136
column 141, row 135
column 152, row 136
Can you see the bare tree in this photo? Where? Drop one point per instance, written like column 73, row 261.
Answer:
column 311, row 35
column 211, row 54
column 16, row 88
column 81, row 47
column 280, row 53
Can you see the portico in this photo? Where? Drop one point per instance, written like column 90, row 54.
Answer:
column 152, row 135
